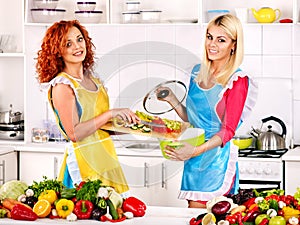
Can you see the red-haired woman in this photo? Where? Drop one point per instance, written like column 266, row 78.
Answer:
column 81, row 106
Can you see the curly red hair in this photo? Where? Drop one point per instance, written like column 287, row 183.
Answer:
column 49, row 60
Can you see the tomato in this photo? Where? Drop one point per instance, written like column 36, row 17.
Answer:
column 277, row 220
column 232, row 218
column 280, row 212
column 80, row 185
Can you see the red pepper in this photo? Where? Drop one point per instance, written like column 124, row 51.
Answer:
column 83, row 209
column 273, row 196
column 239, row 218
column 104, row 218
column 264, row 221
column 231, row 218
column 21, row 212
column 194, row 221
column 134, row 205
column 80, row 185
column 250, row 213
column 249, row 202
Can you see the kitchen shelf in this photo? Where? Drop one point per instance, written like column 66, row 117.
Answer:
column 13, row 55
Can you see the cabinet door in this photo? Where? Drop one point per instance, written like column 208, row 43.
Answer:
column 35, row 165
column 8, row 167
column 154, row 180
column 292, row 181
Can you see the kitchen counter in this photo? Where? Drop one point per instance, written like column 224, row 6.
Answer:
column 292, row 155
column 154, row 216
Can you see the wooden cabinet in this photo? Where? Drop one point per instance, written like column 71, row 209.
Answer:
column 155, row 180
column 8, row 164
column 34, row 165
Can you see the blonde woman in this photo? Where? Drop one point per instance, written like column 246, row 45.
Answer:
column 220, row 96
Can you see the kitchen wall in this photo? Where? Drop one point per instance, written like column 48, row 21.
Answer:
column 132, row 59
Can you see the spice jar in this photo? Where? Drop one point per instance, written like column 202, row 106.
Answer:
column 40, row 135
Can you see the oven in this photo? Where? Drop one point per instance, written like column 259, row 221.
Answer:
column 261, row 169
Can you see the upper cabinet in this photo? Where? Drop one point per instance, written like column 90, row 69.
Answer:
column 148, row 11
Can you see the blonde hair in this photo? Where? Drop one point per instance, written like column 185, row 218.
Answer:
column 233, row 28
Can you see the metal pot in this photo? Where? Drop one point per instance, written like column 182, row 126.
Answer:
column 270, row 140
column 10, row 116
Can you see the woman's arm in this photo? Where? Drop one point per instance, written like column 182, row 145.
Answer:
column 64, row 102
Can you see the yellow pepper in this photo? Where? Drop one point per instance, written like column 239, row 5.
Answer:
column 49, row 195
column 64, row 207
column 289, row 212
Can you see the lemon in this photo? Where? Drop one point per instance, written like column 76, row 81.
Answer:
column 42, row 208
column 209, row 219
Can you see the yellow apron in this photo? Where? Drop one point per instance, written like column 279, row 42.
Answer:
column 95, row 155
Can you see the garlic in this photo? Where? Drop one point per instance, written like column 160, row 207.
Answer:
column 129, row 215
column 29, row 192
column 22, row 198
column 271, row 212
column 54, row 212
column 281, row 204
column 72, row 217
column 293, row 220
column 258, row 199
column 223, row 222
column 102, row 192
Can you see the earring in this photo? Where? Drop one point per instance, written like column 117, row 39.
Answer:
column 231, row 52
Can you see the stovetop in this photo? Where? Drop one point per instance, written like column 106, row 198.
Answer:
column 255, row 153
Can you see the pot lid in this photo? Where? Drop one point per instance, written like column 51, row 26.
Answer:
column 153, row 102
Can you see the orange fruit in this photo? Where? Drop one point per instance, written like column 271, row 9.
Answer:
column 42, row 208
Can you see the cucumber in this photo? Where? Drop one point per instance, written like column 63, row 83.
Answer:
column 146, row 129
column 112, row 209
column 140, row 125
column 134, row 127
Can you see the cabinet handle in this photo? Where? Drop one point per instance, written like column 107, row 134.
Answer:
column 3, row 172
column 163, row 175
column 146, row 175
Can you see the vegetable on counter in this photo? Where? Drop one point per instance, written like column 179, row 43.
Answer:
column 64, row 207
column 134, row 205
column 83, row 209
column 88, row 191
column 46, row 184
column 21, row 212
column 49, row 195
column 12, row 189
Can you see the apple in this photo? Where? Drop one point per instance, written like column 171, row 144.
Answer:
column 277, row 220
column 260, row 217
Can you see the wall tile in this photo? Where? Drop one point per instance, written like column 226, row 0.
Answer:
column 252, row 39
column 296, row 46
column 296, row 77
column 277, row 66
column 132, row 39
column 105, row 38
column 277, row 39
column 190, row 37
column 253, row 65
column 271, row 102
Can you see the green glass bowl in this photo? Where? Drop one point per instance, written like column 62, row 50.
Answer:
column 193, row 136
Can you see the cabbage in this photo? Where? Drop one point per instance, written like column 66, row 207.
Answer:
column 12, row 189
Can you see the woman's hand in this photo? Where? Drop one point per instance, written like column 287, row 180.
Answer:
column 182, row 153
column 166, row 94
column 125, row 114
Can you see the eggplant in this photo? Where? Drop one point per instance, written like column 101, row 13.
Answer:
column 220, row 208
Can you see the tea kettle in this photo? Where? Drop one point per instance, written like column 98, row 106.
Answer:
column 266, row 14
column 270, row 140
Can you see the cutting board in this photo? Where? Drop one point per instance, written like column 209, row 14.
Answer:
column 174, row 135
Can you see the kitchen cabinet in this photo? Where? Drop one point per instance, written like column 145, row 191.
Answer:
column 35, row 163
column 154, row 179
column 292, row 166
column 8, row 164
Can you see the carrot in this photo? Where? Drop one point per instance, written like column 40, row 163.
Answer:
column 9, row 203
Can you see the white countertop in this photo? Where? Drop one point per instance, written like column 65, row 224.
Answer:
column 154, row 216
column 292, row 155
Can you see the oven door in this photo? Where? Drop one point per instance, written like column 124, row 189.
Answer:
column 260, row 185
